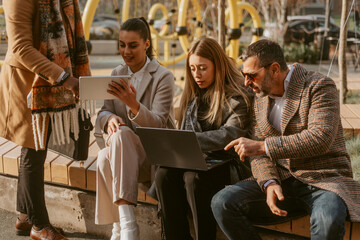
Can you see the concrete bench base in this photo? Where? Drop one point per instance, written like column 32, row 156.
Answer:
column 75, row 209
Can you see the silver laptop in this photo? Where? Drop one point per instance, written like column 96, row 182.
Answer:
column 95, row 88
column 175, row 148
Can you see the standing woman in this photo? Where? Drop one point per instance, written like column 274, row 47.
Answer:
column 39, row 80
column 217, row 107
column 147, row 102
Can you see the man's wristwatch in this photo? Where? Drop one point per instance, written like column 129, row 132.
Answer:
column 63, row 78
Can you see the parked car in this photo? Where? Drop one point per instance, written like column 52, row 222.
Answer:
column 105, row 27
column 312, row 17
column 304, row 29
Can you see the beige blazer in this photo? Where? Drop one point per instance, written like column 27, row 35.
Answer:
column 155, row 96
column 22, row 62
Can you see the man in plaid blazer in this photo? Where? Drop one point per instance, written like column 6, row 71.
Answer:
column 298, row 157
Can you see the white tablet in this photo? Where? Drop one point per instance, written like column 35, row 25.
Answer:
column 95, row 88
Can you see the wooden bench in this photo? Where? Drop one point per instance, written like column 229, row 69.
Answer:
column 301, row 227
column 350, row 118
column 59, row 169
column 82, row 175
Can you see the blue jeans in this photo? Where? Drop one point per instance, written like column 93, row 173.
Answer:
column 238, row 206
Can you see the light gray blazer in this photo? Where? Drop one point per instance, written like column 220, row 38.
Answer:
column 155, row 96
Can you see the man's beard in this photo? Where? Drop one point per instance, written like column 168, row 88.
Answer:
column 266, row 85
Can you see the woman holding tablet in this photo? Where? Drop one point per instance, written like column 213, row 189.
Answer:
column 146, row 102
column 216, row 105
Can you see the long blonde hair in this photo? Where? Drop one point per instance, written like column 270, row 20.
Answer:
column 228, row 81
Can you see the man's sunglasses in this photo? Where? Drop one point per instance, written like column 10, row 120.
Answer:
column 252, row 75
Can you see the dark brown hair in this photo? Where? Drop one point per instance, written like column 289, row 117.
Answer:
column 141, row 26
column 267, row 52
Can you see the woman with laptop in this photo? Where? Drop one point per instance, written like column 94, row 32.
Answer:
column 216, row 105
column 147, row 102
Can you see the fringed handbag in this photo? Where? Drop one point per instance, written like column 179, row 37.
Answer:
column 75, row 149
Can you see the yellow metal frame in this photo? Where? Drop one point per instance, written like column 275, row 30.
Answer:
column 233, row 48
column 255, row 19
column 156, row 36
column 184, row 41
column 233, row 15
column 125, row 10
column 88, row 16
column 236, row 19
column 151, row 16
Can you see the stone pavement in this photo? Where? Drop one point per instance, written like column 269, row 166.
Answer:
column 7, row 229
column 7, row 232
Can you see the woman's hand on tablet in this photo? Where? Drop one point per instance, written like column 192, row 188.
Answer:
column 127, row 94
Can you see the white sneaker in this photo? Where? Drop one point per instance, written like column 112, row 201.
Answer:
column 115, row 231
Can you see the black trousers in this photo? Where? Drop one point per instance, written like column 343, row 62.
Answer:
column 30, row 190
column 177, row 189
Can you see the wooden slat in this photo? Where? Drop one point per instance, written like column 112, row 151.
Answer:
column 141, row 195
column 50, row 157
column 11, row 163
column 5, row 148
column 355, row 108
column 283, row 227
column 347, row 231
column 348, row 129
column 59, row 170
column 355, row 231
column 2, row 140
column 345, row 112
column 91, row 177
column 93, row 149
column 77, row 172
column 92, row 138
column 355, row 123
column 301, row 226
column 150, row 200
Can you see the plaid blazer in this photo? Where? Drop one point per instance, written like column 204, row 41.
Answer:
column 311, row 145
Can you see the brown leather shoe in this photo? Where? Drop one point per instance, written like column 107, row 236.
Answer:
column 47, row 233
column 23, row 228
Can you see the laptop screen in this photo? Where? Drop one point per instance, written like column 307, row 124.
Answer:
column 172, row 148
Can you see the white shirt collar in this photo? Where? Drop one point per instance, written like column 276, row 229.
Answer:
column 286, row 82
column 141, row 70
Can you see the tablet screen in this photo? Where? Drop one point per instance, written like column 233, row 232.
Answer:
column 95, row 88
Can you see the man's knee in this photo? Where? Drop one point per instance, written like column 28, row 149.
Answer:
column 222, row 201
column 328, row 217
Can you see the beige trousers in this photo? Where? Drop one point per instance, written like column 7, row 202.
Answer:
column 120, row 166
